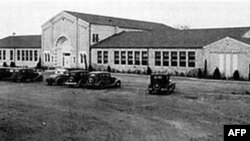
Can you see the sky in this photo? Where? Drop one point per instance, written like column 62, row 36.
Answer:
column 25, row 17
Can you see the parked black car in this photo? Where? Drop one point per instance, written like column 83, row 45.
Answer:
column 26, row 75
column 59, row 78
column 6, row 73
column 161, row 84
column 101, row 79
column 77, row 78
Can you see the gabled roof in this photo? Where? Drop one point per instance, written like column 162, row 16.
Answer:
column 25, row 41
column 174, row 38
column 127, row 23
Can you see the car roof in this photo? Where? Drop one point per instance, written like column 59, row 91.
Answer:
column 98, row 72
column 79, row 71
column 160, row 74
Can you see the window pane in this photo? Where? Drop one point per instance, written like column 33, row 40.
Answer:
column 99, row 57
column 174, row 58
column 116, row 57
column 144, row 58
column 130, row 57
column 165, row 58
column 191, row 59
column 183, row 59
column 157, row 58
column 137, row 58
column 123, row 57
column 105, row 57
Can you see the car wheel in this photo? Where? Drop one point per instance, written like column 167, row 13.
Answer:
column 101, row 86
column 59, row 82
column 118, row 84
column 49, row 83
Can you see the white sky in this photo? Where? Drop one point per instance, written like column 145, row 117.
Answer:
column 25, row 17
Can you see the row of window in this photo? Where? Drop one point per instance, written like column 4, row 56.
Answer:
column 162, row 58
column 2, row 54
column 24, row 55
column 133, row 57
column 166, row 58
column 27, row 55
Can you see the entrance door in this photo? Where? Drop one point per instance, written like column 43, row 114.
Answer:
column 66, row 60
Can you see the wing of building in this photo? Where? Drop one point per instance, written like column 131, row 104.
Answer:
column 22, row 50
column 78, row 40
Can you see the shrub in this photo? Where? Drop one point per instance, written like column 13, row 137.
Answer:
column 108, row 69
column 39, row 65
column 200, row 75
column 149, row 71
column 236, row 75
column 90, row 68
column 12, row 64
column 217, row 74
column 5, row 64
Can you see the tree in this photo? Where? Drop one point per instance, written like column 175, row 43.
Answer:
column 236, row 75
column 39, row 65
column 205, row 69
column 12, row 64
column 149, row 71
column 90, row 68
column 108, row 69
column 200, row 75
column 217, row 74
column 5, row 64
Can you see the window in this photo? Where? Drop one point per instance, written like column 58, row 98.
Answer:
column 23, row 57
column 137, row 58
column 48, row 55
column 144, row 58
column 4, row 54
column 31, row 55
column 165, row 58
column 130, row 57
column 0, row 54
column 116, row 55
column 174, row 58
column 157, row 58
column 18, row 55
column 123, row 57
column 105, row 57
column 182, row 59
column 95, row 38
column 45, row 57
column 191, row 59
column 27, row 55
column 99, row 57
column 11, row 55
column 81, row 58
column 36, row 55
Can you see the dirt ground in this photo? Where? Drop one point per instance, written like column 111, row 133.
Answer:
column 196, row 111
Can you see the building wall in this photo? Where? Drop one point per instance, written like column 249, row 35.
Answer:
column 151, row 59
column 29, row 61
column 228, row 55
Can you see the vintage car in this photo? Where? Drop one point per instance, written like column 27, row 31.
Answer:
column 26, row 75
column 59, row 78
column 77, row 78
column 161, row 84
column 6, row 73
column 102, row 79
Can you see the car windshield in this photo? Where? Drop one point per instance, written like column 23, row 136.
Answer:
column 158, row 77
column 93, row 75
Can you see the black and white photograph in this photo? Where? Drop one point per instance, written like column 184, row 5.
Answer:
column 124, row 70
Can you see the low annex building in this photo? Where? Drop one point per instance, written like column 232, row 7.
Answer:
column 78, row 40
column 24, row 51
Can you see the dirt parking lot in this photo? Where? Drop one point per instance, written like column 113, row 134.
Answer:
column 196, row 112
